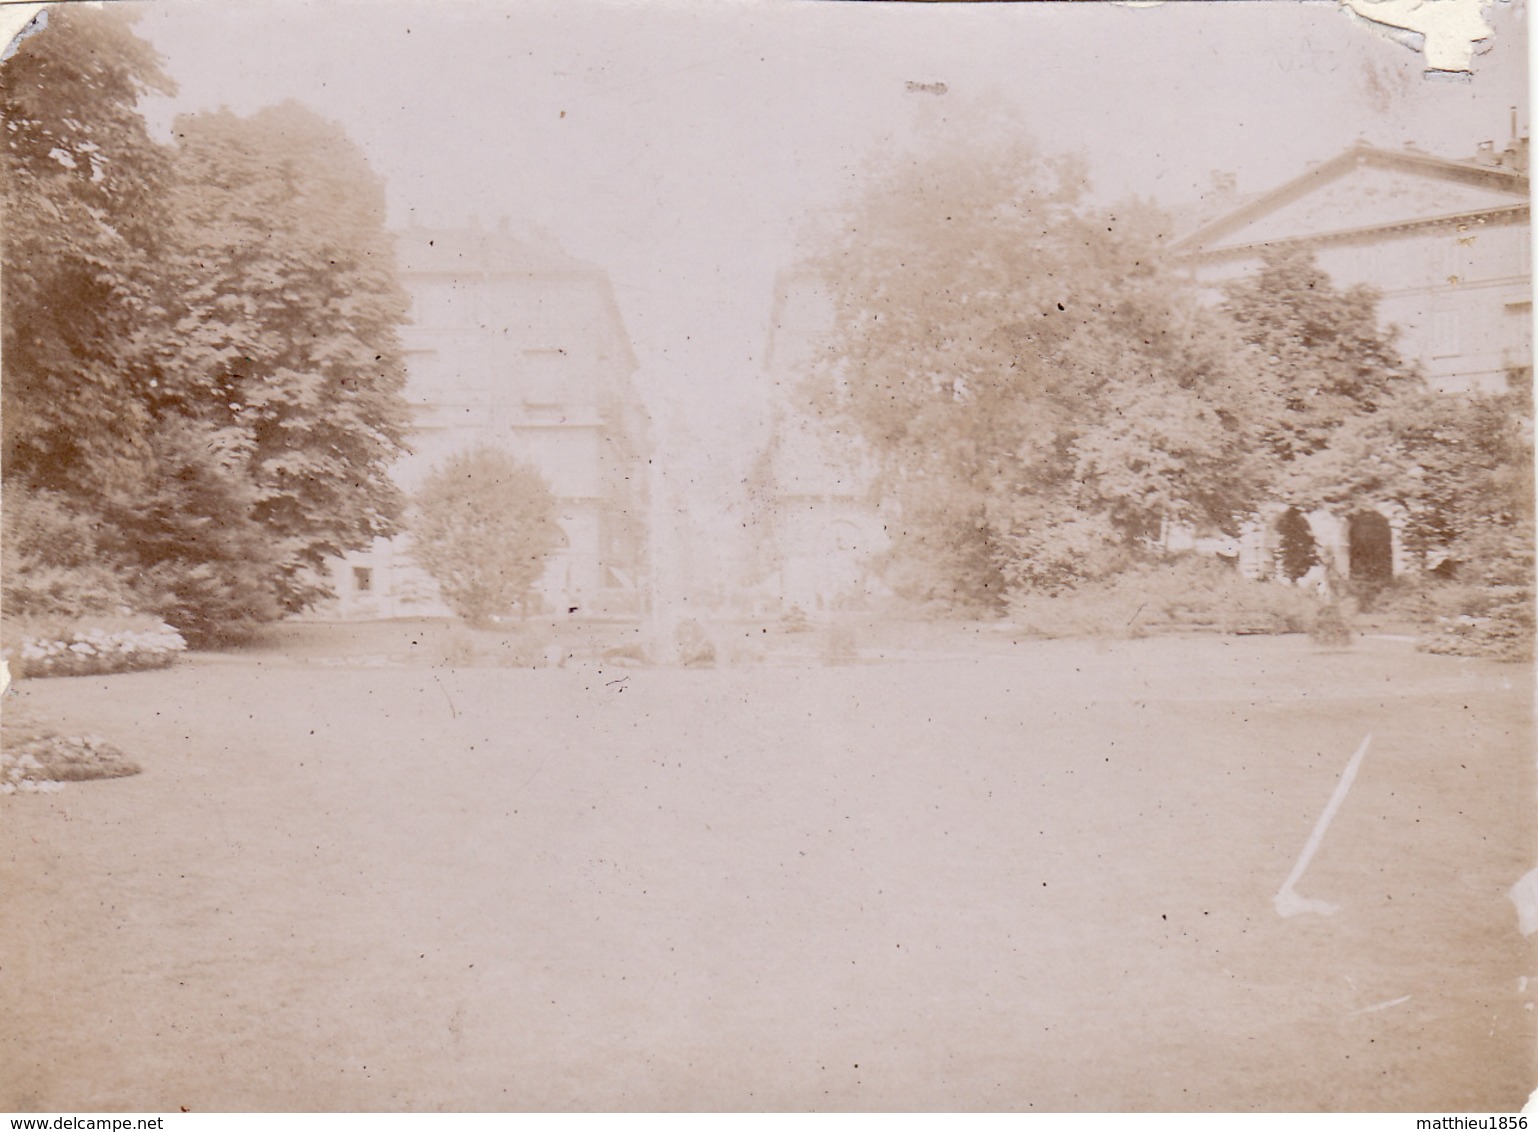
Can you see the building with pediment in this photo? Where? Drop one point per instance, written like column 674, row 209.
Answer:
column 1447, row 246
column 515, row 345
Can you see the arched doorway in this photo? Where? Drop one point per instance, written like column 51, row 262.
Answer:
column 1370, row 547
column 1296, row 550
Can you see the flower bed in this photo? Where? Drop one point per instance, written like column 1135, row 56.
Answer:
column 43, row 763
column 94, row 651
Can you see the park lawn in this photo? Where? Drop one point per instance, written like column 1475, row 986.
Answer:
column 1037, row 878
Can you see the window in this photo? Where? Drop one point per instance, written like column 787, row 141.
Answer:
column 362, row 579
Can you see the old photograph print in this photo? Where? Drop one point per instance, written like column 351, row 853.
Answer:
column 778, row 555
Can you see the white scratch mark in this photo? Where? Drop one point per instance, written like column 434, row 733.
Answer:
column 1382, row 1005
column 1289, row 903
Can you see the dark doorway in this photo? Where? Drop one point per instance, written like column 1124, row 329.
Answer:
column 1296, row 550
column 1371, row 546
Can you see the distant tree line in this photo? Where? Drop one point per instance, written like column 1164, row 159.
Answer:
column 1046, row 393
column 202, row 374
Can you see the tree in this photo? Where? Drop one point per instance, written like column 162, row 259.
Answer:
column 482, row 526
column 82, row 195
column 1460, row 467
column 1351, row 425
column 286, row 330
column 1043, row 396
column 1319, row 355
column 111, row 501
column 182, row 518
column 200, row 344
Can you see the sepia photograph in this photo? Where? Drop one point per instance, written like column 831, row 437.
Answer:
column 767, row 556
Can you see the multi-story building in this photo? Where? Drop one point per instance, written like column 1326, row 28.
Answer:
column 1447, row 246
column 515, row 345
column 815, row 524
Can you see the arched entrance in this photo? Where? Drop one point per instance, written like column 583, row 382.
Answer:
column 1370, row 547
column 1296, row 550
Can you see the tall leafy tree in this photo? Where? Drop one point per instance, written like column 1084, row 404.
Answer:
column 199, row 345
column 1319, row 354
column 82, row 204
column 286, row 334
column 1043, row 395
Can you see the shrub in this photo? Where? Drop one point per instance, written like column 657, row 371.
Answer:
column 482, row 526
column 174, row 538
column 695, row 647
column 1459, row 618
column 1330, row 627
column 51, row 561
column 1296, row 551
column 198, row 558
column 1503, row 632
column 1189, row 593
column 840, row 645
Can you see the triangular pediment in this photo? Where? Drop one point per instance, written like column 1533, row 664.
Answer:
column 1365, row 193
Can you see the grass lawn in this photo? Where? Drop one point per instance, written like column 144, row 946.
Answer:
column 1037, row 877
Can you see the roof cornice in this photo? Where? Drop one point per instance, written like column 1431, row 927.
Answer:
column 1509, row 214
column 1504, row 180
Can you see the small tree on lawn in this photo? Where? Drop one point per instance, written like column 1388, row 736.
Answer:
column 483, row 525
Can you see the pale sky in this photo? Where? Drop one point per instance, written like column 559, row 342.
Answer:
column 683, row 145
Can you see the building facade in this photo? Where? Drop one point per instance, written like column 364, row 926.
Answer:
column 816, row 525
column 515, row 345
column 1447, row 246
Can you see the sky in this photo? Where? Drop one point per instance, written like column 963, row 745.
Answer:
column 684, row 145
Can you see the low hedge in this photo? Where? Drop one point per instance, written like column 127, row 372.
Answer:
column 1186, row 594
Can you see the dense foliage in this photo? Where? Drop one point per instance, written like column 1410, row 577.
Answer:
column 1043, row 396
column 285, row 328
column 482, row 526
column 82, row 191
column 201, row 364
column 1048, row 400
column 1320, row 357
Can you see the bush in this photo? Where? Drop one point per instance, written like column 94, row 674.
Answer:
column 1504, row 631
column 1060, row 555
column 1330, row 627
column 63, row 647
column 482, row 526
column 1190, row 593
column 1457, row 618
column 174, row 538
column 198, row 558
column 840, row 644
column 51, row 560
